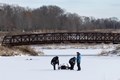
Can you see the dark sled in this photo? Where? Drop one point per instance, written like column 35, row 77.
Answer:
column 64, row 67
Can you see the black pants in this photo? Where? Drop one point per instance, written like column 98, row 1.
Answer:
column 78, row 65
column 54, row 66
column 71, row 66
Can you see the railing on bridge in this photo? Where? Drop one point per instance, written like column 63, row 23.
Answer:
column 50, row 38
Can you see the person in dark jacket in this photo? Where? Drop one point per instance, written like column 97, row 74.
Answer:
column 78, row 61
column 72, row 62
column 55, row 61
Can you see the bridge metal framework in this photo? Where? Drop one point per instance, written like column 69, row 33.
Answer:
column 50, row 38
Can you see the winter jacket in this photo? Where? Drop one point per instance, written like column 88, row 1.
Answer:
column 55, row 60
column 72, row 60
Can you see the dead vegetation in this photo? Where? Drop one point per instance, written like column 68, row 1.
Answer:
column 18, row 50
column 115, row 52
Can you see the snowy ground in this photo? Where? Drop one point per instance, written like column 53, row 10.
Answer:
column 39, row 68
column 84, row 49
column 88, row 52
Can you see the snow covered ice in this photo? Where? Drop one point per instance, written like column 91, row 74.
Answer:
column 39, row 68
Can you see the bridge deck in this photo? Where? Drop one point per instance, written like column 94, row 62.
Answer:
column 49, row 38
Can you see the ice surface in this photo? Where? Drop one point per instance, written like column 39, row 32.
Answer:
column 39, row 68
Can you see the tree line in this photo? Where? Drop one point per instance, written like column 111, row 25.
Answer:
column 50, row 18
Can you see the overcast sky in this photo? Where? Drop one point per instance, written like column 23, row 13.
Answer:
column 95, row 8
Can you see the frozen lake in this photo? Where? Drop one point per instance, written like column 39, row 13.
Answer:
column 73, row 51
column 39, row 68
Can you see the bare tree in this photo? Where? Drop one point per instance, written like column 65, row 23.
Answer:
column 50, row 18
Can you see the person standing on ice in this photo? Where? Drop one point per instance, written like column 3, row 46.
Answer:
column 72, row 62
column 78, row 61
column 55, row 61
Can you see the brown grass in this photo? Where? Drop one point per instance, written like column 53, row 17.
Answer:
column 18, row 50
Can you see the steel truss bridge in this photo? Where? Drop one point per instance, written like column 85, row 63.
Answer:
column 54, row 38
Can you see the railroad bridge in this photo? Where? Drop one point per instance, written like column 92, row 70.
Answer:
column 51, row 38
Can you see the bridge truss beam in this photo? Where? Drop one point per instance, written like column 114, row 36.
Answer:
column 50, row 38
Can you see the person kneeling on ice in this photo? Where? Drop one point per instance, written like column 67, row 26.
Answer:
column 72, row 63
column 55, row 61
